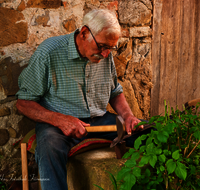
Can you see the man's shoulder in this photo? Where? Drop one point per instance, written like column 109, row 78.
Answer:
column 54, row 43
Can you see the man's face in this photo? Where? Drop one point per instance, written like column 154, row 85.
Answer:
column 93, row 53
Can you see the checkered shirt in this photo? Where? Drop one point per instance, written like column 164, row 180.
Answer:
column 61, row 81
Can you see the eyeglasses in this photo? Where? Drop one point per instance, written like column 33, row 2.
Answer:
column 101, row 47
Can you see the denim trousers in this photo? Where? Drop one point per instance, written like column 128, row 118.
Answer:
column 53, row 147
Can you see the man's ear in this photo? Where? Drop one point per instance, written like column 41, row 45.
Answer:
column 84, row 33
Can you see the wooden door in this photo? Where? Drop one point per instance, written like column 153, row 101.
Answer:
column 175, row 53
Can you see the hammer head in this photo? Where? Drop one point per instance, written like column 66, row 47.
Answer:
column 121, row 130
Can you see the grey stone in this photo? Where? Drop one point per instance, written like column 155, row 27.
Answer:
column 134, row 13
column 9, row 73
column 12, row 132
column 4, row 111
column 4, row 136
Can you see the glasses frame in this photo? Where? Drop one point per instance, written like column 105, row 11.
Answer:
column 100, row 48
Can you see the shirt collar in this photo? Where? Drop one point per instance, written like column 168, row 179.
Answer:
column 72, row 51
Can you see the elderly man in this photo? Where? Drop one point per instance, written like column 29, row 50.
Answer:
column 67, row 85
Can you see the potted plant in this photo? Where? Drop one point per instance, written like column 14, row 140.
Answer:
column 169, row 158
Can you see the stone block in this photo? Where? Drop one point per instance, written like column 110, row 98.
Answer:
column 89, row 168
column 48, row 4
column 134, row 12
column 70, row 24
column 43, row 19
column 122, row 59
column 4, row 136
column 131, row 99
column 5, row 111
column 9, row 73
column 21, row 6
column 113, row 6
column 13, row 28
column 12, row 132
column 140, row 31
column 125, row 32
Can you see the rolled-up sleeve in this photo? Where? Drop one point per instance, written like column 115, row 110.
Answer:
column 33, row 81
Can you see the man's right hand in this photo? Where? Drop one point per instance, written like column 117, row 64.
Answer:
column 72, row 126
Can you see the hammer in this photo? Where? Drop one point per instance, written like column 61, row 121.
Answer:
column 120, row 128
column 119, row 144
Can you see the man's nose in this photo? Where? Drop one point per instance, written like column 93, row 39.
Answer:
column 105, row 53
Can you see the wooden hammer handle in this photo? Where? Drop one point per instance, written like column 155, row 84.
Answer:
column 102, row 128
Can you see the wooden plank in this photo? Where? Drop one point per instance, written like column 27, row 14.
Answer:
column 186, row 53
column 196, row 66
column 157, row 19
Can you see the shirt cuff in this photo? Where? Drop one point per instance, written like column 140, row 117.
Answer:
column 24, row 95
column 118, row 90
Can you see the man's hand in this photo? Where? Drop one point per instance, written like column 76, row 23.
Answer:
column 72, row 126
column 120, row 105
column 130, row 123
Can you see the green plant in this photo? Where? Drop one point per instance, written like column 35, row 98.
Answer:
column 2, row 186
column 168, row 157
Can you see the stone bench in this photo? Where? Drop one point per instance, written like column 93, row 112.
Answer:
column 89, row 168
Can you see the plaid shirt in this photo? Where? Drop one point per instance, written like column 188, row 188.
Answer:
column 61, row 81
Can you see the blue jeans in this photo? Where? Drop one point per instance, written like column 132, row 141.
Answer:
column 53, row 147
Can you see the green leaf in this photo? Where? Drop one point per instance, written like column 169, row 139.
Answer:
column 135, row 156
column 144, row 160
column 162, row 168
column 130, row 163
column 142, row 149
column 153, row 160
column 157, row 150
column 137, row 143
column 143, row 137
column 136, row 171
column 149, row 140
column 122, row 173
column 197, row 135
column 171, row 166
column 159, row 126
column 147, row 172
column 152, row 119
column 175, row 155
column 163, row 136
column 98, row 186
column 181, row 171
column 112, row 178
column 178, row 120
column 162, row 158
column 130, row 181
column 141, row 123
column 150, row 148
column 129, row 153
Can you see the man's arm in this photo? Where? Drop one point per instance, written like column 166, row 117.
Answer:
column 120, row 105
column 69, row 125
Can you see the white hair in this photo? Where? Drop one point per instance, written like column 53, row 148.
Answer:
column 99, row 19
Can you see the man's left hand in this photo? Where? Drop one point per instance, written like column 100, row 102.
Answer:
column 130, row 123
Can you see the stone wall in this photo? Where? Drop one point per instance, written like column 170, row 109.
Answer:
column 24, row 24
